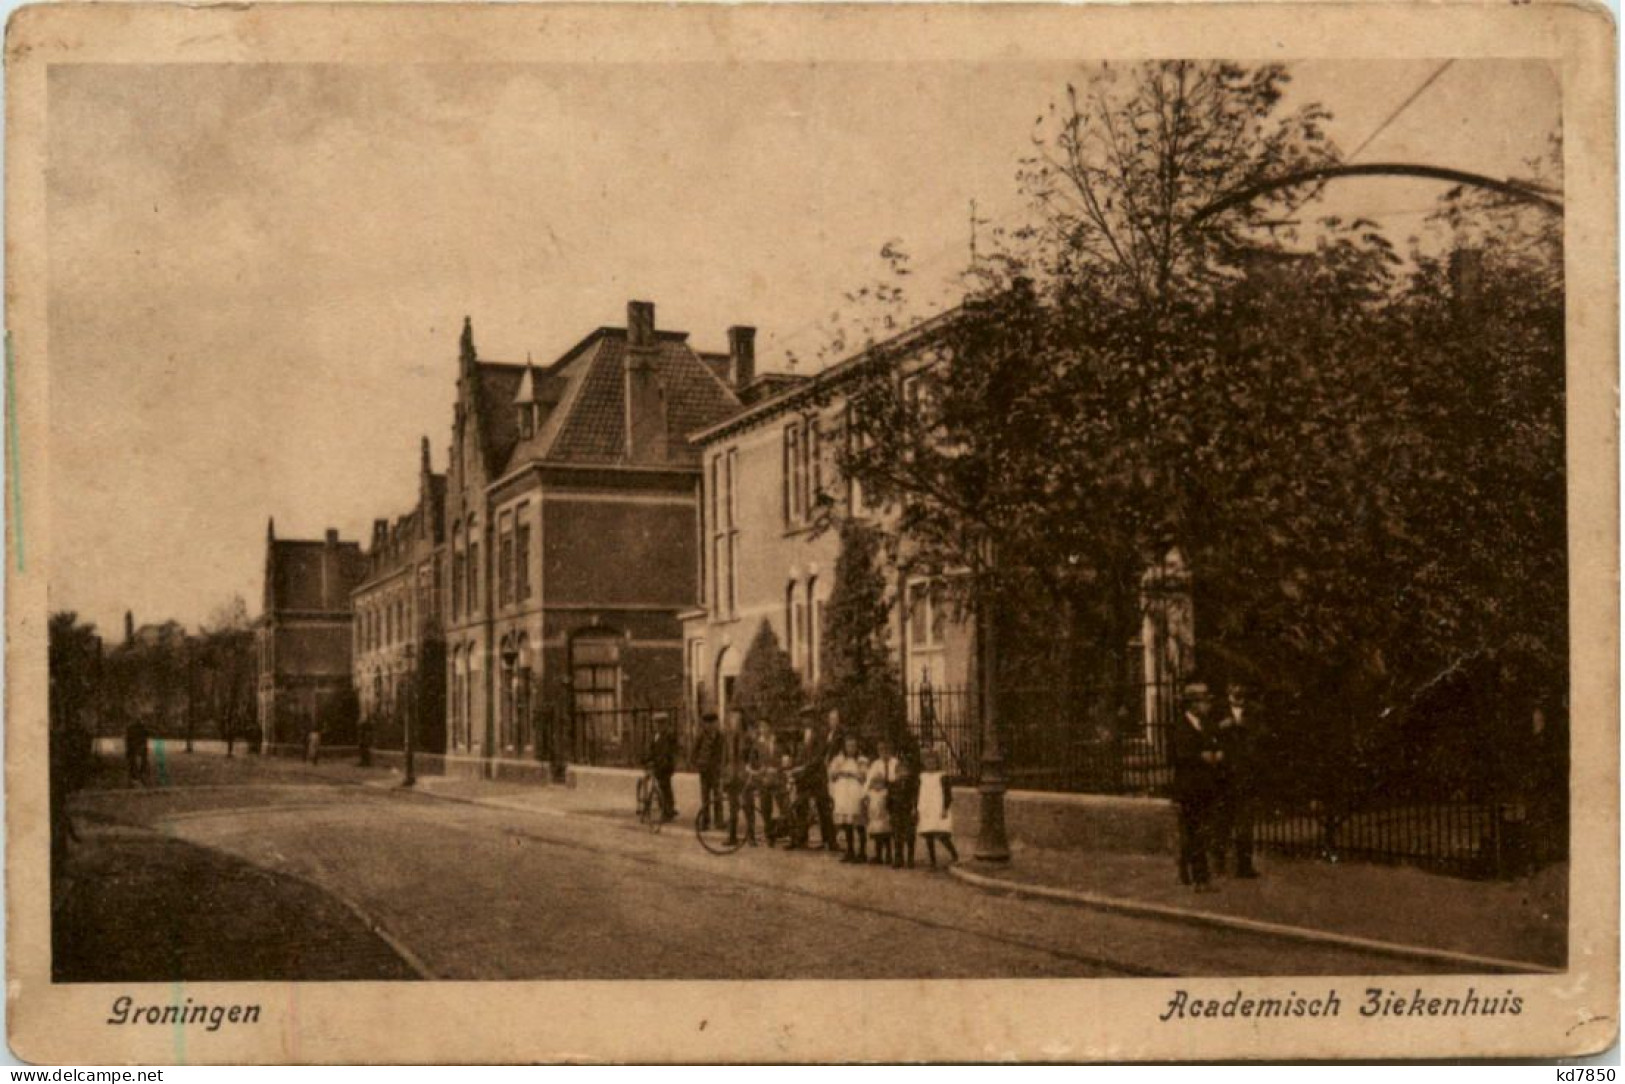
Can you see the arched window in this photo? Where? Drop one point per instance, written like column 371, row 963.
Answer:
column 791, row 646
column 815, row 628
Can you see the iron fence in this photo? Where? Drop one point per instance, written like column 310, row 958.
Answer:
column 1410, row 801
column 619, row 737
column 1096, row 741
column 1465, row 838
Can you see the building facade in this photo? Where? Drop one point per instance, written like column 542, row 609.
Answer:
column 770, row 470
column 303, row 637
column 571, row 536
column 399, row 637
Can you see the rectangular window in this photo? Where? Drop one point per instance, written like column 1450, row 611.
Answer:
column 473, row 576
column 927, row 614
column 788, row 486
column 505, row 561
column 732, row 512
column 716, row 535
column 815, row 465
column 521, row 540
column 817, row 638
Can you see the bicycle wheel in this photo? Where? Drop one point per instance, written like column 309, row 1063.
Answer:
column 647, row 816
column 714, row 838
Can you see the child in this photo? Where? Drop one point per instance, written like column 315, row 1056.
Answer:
column 902, row 798
column 847, row 773
column 881, row 774
column 936, row 822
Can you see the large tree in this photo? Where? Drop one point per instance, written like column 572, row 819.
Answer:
column 1358, row 455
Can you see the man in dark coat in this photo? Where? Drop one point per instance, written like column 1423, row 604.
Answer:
column 1239, row 739
column 135, row 750
column 1197, row 757
column 707, row 757
column 812, row 774
column 663, row 762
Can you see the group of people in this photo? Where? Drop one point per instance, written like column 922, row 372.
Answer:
column 867, row 808
column 1215, row 760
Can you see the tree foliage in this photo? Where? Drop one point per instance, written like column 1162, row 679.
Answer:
column 1358, row 453
column 859, row 674
column 768, row 687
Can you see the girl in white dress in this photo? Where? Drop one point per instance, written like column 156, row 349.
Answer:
column 882, row 773
column 847, row 773
column 936, row 820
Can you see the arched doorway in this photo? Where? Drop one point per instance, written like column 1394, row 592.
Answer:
column 515, row 732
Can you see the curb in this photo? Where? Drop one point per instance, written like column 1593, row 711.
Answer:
column 1248, row 925
column 375, row 927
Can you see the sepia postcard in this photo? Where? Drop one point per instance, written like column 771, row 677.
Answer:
column 811, row 533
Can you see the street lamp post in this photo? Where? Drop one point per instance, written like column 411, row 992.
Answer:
column 411, row 714
column 992, row 842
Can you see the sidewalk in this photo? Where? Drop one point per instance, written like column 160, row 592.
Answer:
column 1523, row 920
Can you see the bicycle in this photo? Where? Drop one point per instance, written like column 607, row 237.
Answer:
column 651, row 813
column 793, row 823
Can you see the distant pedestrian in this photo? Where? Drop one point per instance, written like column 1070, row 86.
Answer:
column 1239, row 739
column 707, row 758
column 935, row 810
column 313, row 742
column 662, row 763
column 1197, row 757
column 848, row 773
column 882, row 774
column 135, row 751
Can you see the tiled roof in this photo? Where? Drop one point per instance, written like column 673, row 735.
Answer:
column 588, row 385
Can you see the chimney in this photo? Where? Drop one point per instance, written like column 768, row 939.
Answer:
column 645, row 396
column 129, row 627
column 741, row 356
column 640, row 325
column 332, row 537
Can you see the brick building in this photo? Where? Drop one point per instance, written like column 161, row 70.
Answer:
column 303, row 637
column 399, row 637
column 571, row 529
column 768, row 468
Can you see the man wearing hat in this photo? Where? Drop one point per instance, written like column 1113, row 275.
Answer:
column 1238, row 737
column 1198, row 759
column 707, row 759
column 812, row 766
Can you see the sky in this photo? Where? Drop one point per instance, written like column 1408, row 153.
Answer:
column 258, row 272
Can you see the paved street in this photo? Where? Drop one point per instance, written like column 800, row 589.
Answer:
column 468, row 891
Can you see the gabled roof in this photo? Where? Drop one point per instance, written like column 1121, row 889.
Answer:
column 583, row 398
